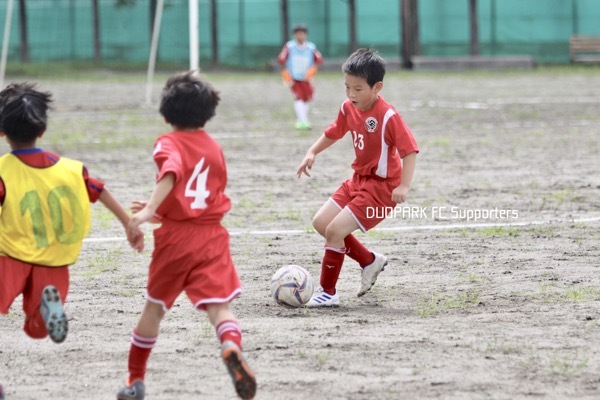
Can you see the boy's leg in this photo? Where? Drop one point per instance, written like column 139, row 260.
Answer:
column 340, row 227
column 44, row 294
column 298, row 109
column 328, row 211
column 143, row 340
column 13, row 278
column 357, row 251
column 230, row 336
column 371, row 193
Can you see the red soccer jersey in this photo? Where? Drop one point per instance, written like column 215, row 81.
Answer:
column 380, row 138
column 198, row 163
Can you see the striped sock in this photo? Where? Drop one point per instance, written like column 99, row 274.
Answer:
column 230, row 330
column 138, row 356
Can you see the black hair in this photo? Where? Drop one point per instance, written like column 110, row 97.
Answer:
column 365, row 63
column 187, row 101
column 300, row 27
column 23, row 112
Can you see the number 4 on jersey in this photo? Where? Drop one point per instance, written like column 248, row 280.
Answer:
column 200, row 193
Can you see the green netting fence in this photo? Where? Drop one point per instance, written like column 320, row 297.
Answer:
column 249, row 32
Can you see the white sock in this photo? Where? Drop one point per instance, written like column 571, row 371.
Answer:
column 299, row 108
column 304, row 111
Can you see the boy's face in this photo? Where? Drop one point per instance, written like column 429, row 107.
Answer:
column 360, row 93
column 300, row 36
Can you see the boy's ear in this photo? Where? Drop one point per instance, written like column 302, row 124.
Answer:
column 41, row 134
column 378, row 86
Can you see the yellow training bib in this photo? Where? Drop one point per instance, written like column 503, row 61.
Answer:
column 46, row 211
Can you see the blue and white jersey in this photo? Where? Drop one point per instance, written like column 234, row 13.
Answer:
column 300, row 58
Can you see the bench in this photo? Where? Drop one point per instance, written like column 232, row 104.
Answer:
column 584, row 49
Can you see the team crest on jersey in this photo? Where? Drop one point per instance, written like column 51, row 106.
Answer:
column 371, row 124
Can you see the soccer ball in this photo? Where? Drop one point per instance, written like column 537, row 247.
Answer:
column 292, row 286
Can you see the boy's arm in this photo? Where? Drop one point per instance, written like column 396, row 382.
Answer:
column 309, row 159
column 160, row 192
column 400, row 194
column 134, row 237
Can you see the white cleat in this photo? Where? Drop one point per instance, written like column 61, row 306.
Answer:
column 369, row 274
column 321, row 298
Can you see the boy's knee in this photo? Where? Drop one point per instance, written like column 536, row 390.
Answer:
column 332, row 233
column 319, row 226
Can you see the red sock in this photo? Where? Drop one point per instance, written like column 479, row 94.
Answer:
column 357, row 251
column 138, row 356
column 331, row 267
column 230, row 330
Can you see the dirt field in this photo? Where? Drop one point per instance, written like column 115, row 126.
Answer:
column 500, row 307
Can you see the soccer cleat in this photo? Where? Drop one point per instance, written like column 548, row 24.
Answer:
column 303, row 125
column 53, row 314
column 320, row 298
column 369, row 274
column 241, row 374
column 135, row 391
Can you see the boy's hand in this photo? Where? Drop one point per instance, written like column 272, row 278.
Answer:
column 286, row 77
column 310, row 74
column 306, row 165
column 136, row 206
column 400, row 194
column 135, row 237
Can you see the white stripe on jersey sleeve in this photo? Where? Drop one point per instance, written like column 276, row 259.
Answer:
column 382, row 165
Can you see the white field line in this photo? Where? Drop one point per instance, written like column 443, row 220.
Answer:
column 391, row 229
column 496, row 103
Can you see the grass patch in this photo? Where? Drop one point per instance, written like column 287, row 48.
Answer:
column 499, row 231
column 438, row 303
column 551, row 293
column 568, row 366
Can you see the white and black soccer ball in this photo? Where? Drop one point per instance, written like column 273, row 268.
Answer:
column 292, row 286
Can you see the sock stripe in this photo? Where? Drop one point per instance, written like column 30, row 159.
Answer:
column 339, row 250
column 226, row 326
column 142, row 342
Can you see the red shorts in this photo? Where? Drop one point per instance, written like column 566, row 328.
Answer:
column 195, row 259
column 303, row 90
column 18, row 277
column 364, row 197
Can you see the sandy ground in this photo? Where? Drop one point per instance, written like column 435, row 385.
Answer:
column 504, row 306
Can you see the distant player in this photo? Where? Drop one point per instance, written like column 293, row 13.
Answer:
column 191, row 247
column 385, row 151
column 299, row 60
column 44, row 214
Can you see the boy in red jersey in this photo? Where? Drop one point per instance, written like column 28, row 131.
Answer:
column 44, row 214
column 299, row 60
column 191, row 247
column 385, row 152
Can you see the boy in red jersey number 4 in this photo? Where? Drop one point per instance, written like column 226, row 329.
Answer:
column 191, row 247
column 385, row 152
column 44, row 215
